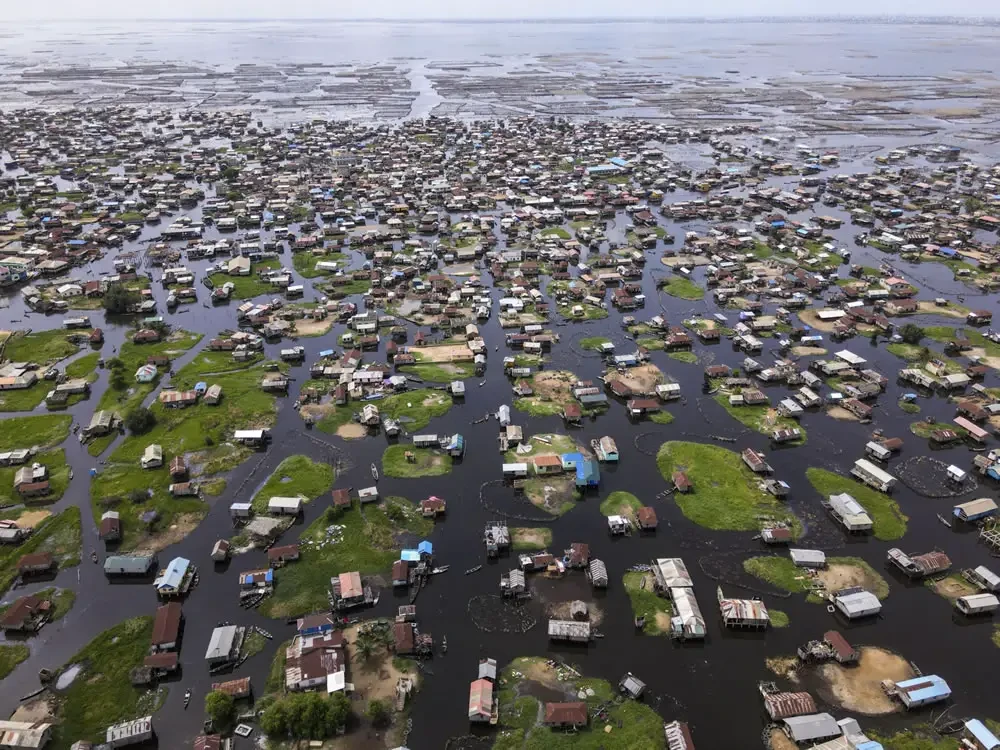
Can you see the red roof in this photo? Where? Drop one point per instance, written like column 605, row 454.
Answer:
column 163, row 660
column 573, row 713
column 207, row 742
column 839, row 644
column 166, row 624
column 647, row 517
column 341, row 497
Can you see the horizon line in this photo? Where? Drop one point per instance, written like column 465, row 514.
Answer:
column 820, row 17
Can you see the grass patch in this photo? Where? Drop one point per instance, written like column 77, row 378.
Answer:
column 926, row 429
column 548, row 443
column 782, row 573
column 441, row 372
column 996, row 636
column 41, row 347
column 725, row 495
column 538, row 408
column 427, row 462
column 367, row 541
column 763, row 419
column 84, row 367
column 678, row 286
column 922, row 737
column 253, row 644
column 417, row 408
column 214, row 487
column 247, row 287
column 620, row 504
column 44, row 431
column 58, row 476
column 102, row 694
column 25, row 399
column 656, row 345
column 778, row 618
column 295, row 476
column 276, row 674
column 10, row 656
column 553, row 494
column 661, row 417
column 590, row 312
column 305, row 263
column 530, row 539
column 62, row 602
column 646, row 603
column 593, row 343
column 909, row 407
column 889, row 523
column 689, row 358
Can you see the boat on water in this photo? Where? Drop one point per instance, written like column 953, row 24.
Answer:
column 374, row 472
column 187, row 698
column 473, row 570
column 441, row 569
column 944, row 520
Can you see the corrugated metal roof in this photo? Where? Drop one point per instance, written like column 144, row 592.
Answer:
column 784, row 705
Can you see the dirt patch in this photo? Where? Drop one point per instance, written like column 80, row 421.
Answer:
column 952, row 588
column 183, row 525
column 352, row 431
column 978, row 351
column 554, row 386
column 842, row 576
column 41, row 708
column 542, row 673
column 780, row 741
column 373, row 678
column 812, row 320
column 932, row 309
column 674, row 261
column 859, row 688
column 552, row 494
column 442, row 353
column 535, row 537
column 783, row 666
column 642, row 379
column 839, row 412
column 313, row 326
column 31, row 518
column 663, row 622
column 562, row 611
column 808, row 351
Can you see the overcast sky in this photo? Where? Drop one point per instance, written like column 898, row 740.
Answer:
column 411, row 9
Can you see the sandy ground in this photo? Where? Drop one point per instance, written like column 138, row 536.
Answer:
column 31, row 518
column 374, row 678
column 642, row 379
column 183, row 525
column 926, row 306
column 952, row 587
column 313, row 327
column 442, row 353
column 554, row 386
column 809, row 318
column 663, row 622
column 808, row 351
column 836, row 577
column 673, row 261
column 38, row 709
column 780, row 741
column 561, row 611
column 978, row 351
column 352, row 431
column 858, row 688
column 839, row 412
column 783, row 666
column 537, row 537
column 562, row 491
column 542, row 673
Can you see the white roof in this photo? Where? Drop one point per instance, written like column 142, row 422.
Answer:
column 336, row 682
column 811, row 556
column 284, row 502
column 221, row 644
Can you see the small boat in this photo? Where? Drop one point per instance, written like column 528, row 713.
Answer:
column 187, row 698
column 944, row 520
column 93, row 555
column 444, row 644
column 374, row 472
column 473, row 570
column 441, row 569
column 482, row 383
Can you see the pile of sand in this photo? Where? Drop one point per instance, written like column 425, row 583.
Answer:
column 859, row 688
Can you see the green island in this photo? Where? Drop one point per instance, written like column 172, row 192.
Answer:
column 57, row 475
column 41, row 347
column 678, row 286
column 593, row 343
column 590, row 312
column 688, row 358
column 296, row 476
column 102, row 693
column 247, row 287
column 763, row 419
column 59, row 535
column 646, row 603
column 12, row 654
column 304, row 263
column 888, row 521
column 84, row 367
column 440, row 372
column 725, row 495
column 408, row 461
column 367, row 541
column 839, row 573
column 43, row 431
column 620, row 504
column 530, row 539
column 779, row 619
column 661, row 417
column 632, row 724
column 62, row 601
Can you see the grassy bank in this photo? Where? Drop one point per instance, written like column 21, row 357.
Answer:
column 530, row 539
column 620, row 504
column 58, row 477
column 102, row 694
column 247, row 287
column 416, row 409
column 62, row 602
column 888, row 520
column 678, row 286
column 763, row 419
column 44, row 431
column 593, row 343
column 10, row 656
column 688, row 358
column 25, row 399
column 646, row 603
column 440, row 372
column 368, row 541
column 58, row 534
column 426, row 462
column 40, row 347
column 84, row 367
column 295, row 476
column 778, row 618
column 782, row 573
column 725, row 495
column 661, row 417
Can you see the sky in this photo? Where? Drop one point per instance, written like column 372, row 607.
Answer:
column 463, row 9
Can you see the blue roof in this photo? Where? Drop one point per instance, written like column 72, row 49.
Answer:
column 602, row 169
column 172, row 576
column 947, row 252
column 935, row 688
column 777, row 224
column 409, row 555
column 457, row 443
column 425, row 548
column 983, row 736
column 869, row 745
column 619, row 162
column 572, row 459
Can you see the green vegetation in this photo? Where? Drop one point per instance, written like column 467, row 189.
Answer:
column 248, row 287
column 593, row 343
column 996, row 636
column 558, row 232
column 84, row 367
column 426, row 462
column 888, row 521
column 646, row 603
column 778, row 618
column 689, row 358
column 25, row 399
column 44, row 431
column 58, row 478
column 41, row 347
column 440, row 372
column 922, row 737
column 305, row 263
column 620, row 504
column 909, row 407
column 927, row 429
column 537, row 408
column 306, row 716
column 253, row 644
column 102, row 693
column 661, row 417
column 530, row 540
column 415, row 409
column 725, row 495
column 784, row 574
column 590, row 312
column 61, row 599
column 547, row 443
column 678, row 286
column 276, row 674
column 10, row 656
column 556, row 495
column 763, row 419
column 220, row 708
column 634, row 725
column 296, row 476
column 368, row 542
column 58, row 534
column 656, row 345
